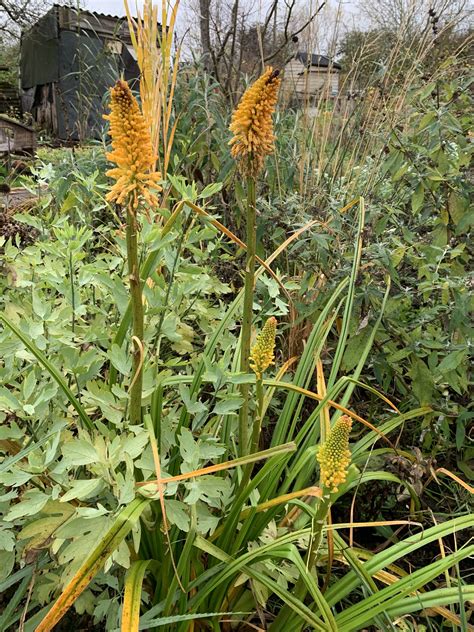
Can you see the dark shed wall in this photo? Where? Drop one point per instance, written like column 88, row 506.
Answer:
column 131, row 71
column 39, row 52
column 86, row 71
column 69, row 60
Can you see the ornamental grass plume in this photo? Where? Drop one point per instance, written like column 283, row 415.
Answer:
column 334, row 455
column 252, row 123
column 262, row 353
column 132, row 152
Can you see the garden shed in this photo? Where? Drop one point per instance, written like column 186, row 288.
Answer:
column 307, row 75
column 69, row 59
column 15, row 137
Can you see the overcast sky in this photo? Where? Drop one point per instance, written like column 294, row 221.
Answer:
column 115, row 7
column 186, row 23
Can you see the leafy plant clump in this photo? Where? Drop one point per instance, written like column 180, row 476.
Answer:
column 190, row 452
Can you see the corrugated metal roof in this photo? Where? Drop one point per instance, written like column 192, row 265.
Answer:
column 320, row 61
column 70, row 17
column 94, row 13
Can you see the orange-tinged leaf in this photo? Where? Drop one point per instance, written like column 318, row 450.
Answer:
column 122, row 525
column 133, row 594
column 227, row 465
column 312, row 395
column 442, row 470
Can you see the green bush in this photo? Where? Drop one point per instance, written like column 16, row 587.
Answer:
column 373, row 298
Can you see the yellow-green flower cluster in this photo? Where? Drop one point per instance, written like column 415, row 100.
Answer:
column 252, row 123
column 334, row 455
column 262, row 353
column 135, row 173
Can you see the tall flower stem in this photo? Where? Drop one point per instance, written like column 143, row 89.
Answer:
column 319, row 521
column 252, row 140
column 258, row 417
column 137, row 315
column 261, row 357
column 334, row 459
column 256, row 426
column 247, row 313
column 286, row 616
column 136, row 181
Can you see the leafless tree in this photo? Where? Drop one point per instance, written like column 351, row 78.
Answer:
column 407, row 17
column 16, row 15
column 204, row 27
column 234, row 39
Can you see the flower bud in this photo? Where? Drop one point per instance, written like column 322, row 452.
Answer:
column 334, row 455
column 261, row 354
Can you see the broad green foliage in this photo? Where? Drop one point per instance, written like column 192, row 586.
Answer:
column 423, row 240
column 377, row 292
column 418, row 190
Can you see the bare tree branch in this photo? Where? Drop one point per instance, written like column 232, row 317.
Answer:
column 295, row 33
column 17, row 16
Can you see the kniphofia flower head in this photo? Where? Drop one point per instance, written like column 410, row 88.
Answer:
column 252, row 123
column 334, row 455
column 135, row 176
column 262, row 353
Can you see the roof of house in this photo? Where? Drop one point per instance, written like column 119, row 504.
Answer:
column 72, row 19
column 319, row 61
column 7, row 119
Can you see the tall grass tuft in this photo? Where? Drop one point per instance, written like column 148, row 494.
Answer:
column 153, row 36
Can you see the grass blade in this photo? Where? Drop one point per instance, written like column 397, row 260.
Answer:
column 235, row 566
column 361, row 614
column 122, row 525
column 13, row 602
column 5, row 465
column 433, row 599
column 226, row 465
column 178, row 618
column 133, row 595
column 341, row 345
column 385, row 558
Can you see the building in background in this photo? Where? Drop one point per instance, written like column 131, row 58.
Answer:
column 69, row 60
column 308, row 76
column 16, row 137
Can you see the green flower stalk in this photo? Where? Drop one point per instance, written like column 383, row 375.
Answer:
column 252, row 141
column 261, row 357
column 334, row 458
column 135, row 181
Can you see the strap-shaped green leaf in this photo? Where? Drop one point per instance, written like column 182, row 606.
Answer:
column 133, row 595
column 122, row 525
column 361, row 614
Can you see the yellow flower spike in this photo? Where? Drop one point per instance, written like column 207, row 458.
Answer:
column 261, row 354
column 334, row 455
column 132, row 150
column 252, row 123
